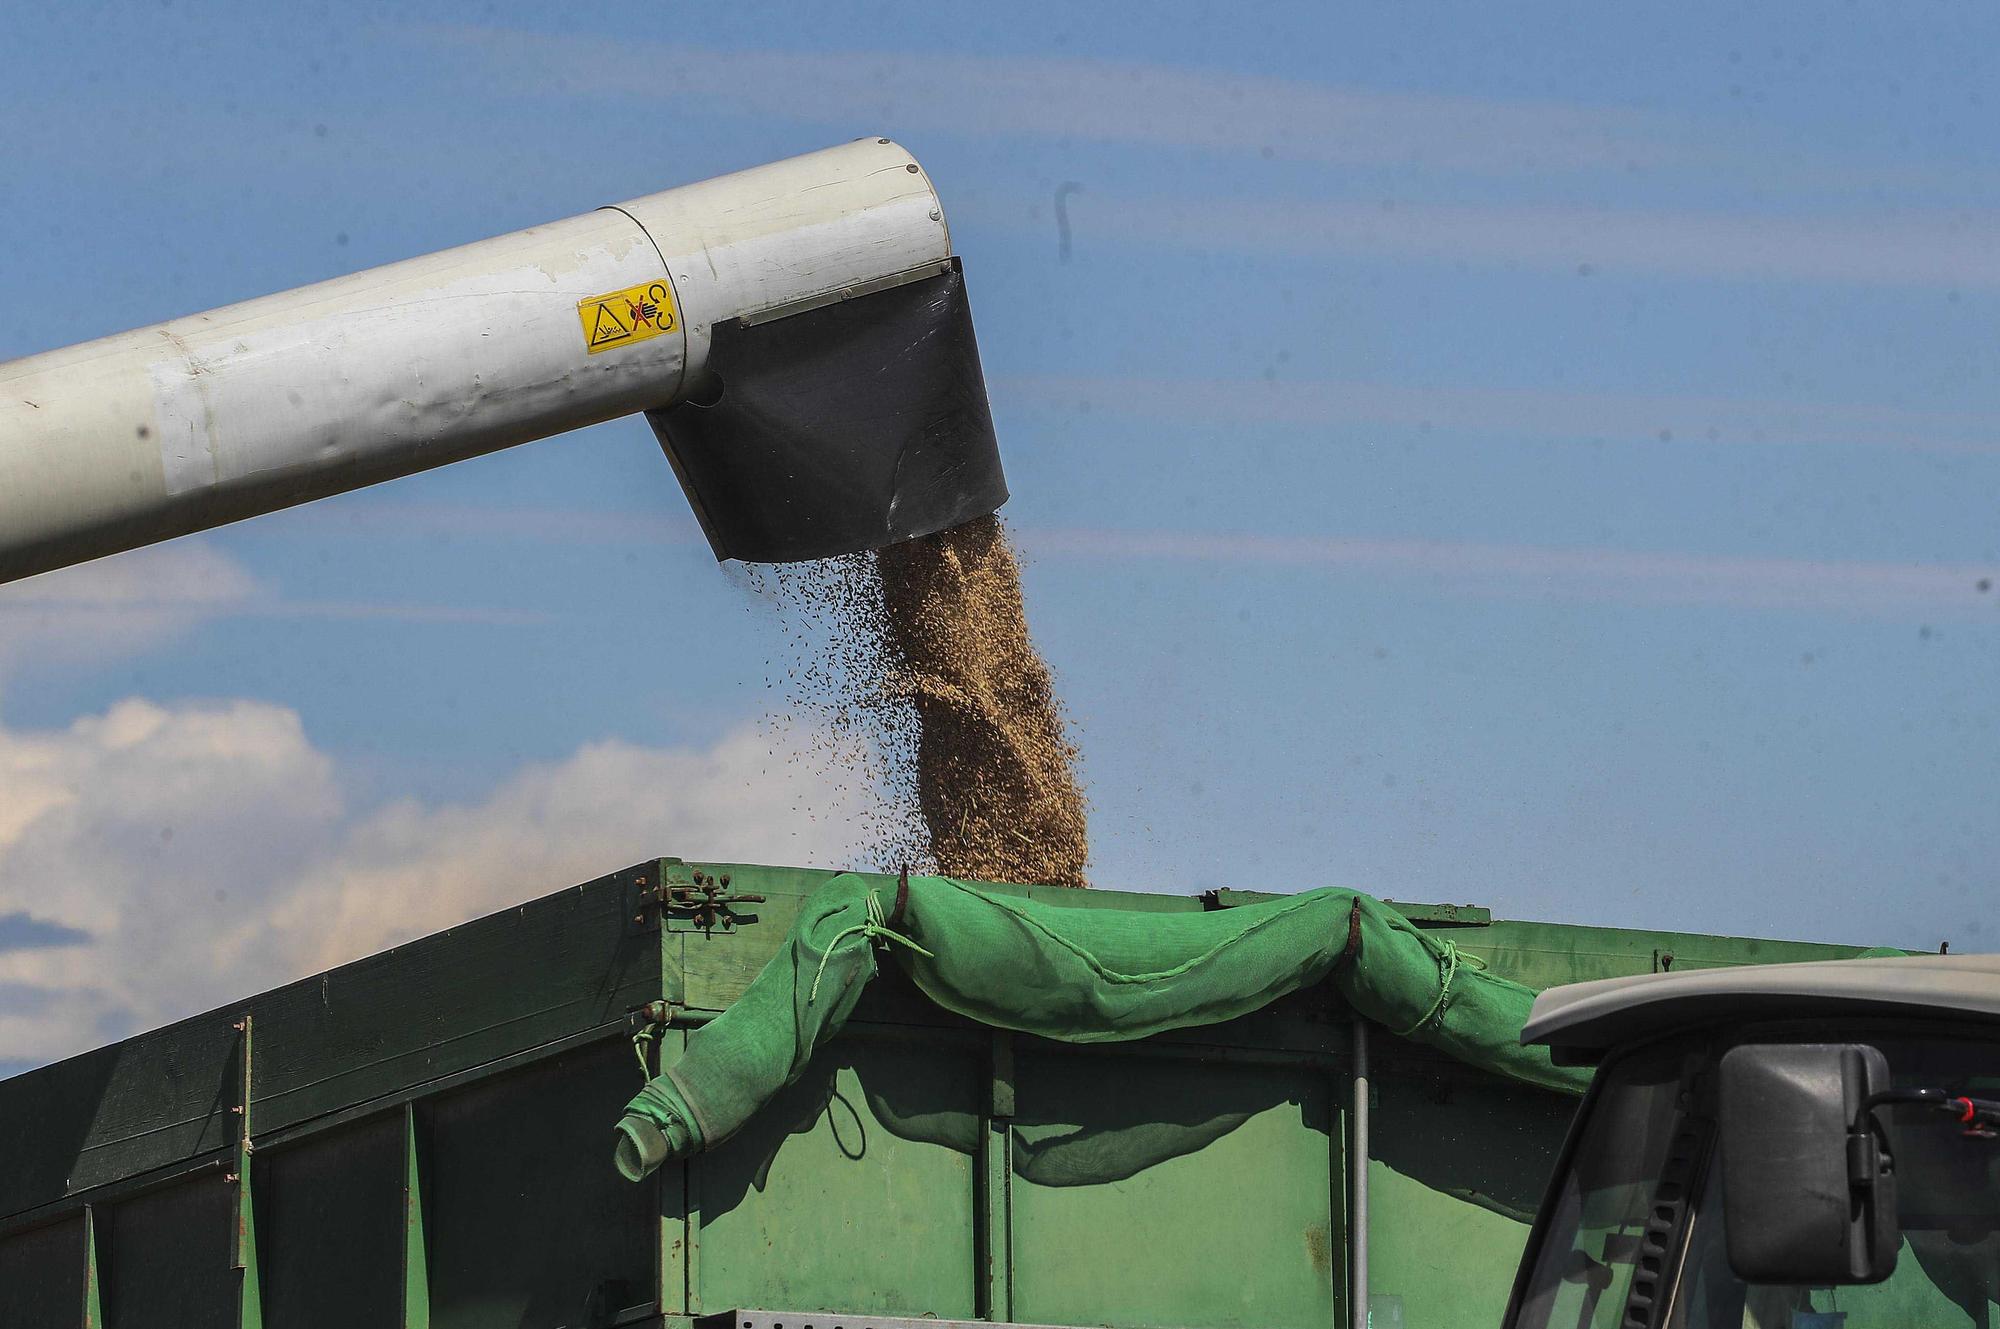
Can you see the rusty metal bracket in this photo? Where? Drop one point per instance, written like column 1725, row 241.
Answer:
column 708, row 905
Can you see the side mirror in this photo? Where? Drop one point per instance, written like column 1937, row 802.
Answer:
column 1808, row 1187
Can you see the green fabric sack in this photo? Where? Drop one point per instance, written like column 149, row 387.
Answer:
column 1079, row 975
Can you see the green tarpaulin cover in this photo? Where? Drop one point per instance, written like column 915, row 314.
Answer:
column 1074, row 974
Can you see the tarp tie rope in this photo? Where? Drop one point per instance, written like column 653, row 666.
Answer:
column 1448, row 961
column 646, row 1034
column 874, row 928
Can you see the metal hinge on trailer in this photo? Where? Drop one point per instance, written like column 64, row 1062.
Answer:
column 749, row 1319
column 705, row 904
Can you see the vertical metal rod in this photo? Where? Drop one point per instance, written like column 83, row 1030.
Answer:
column 93, row 1300
column 693, row 1169
column 994, row 1221
column 680, row 1182
column 416, row 1257
column 1357, row 1175
column 671, row 1281
column 243, row 1246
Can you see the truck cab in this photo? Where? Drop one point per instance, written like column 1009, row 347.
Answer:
column 1802, row 1146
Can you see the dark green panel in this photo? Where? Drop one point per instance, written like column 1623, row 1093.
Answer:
column 491, row 988
column 330, row 1229
column 1463, row 1155
column 152, row 1101
column 1469, row 1136
column 1173, row 1193
column 1547, row 954
column 853, row 1191
column 720, row 965
column 557, row 966
column 166, row 1257
column 530, row 1226
column 41, row 1277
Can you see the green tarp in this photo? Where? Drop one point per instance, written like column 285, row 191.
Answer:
column 1074, row 974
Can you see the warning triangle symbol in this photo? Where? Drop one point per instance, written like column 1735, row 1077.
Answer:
column 608, row 328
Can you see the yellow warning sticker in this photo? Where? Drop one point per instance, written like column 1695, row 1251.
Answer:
column 623, row 317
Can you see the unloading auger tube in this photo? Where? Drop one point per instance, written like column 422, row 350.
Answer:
column 797, row 334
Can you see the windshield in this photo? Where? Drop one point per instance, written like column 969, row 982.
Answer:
column 1651, row 1135
column 1583, row 1272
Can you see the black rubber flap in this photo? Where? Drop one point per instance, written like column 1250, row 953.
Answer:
column 842, row 428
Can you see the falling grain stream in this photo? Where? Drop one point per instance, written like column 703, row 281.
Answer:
column 929, row 659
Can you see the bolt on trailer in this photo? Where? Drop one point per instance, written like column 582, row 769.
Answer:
column 426, row 1137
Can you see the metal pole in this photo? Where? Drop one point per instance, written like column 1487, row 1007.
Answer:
column 1357, row 1180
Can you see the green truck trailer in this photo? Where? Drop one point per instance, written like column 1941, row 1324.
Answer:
column 424, row 1137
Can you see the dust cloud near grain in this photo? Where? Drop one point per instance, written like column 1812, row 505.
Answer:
column 916, row 665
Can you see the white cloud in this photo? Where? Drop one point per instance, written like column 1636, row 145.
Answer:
column 139, row 600
column 120, row 605
column 147, row 828
column 1589, row 573
column 1927, row 249
column 411, row 869
column 1246, row 116
column 1089, row 99
column 208, row 853
column 1644, row 418
column 205, row 850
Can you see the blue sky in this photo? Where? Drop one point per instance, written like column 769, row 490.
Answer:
column 1536, row 455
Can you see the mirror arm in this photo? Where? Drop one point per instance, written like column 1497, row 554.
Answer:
column 1979, row 1116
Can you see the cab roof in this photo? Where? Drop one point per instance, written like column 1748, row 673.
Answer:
column 1581, row 1021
